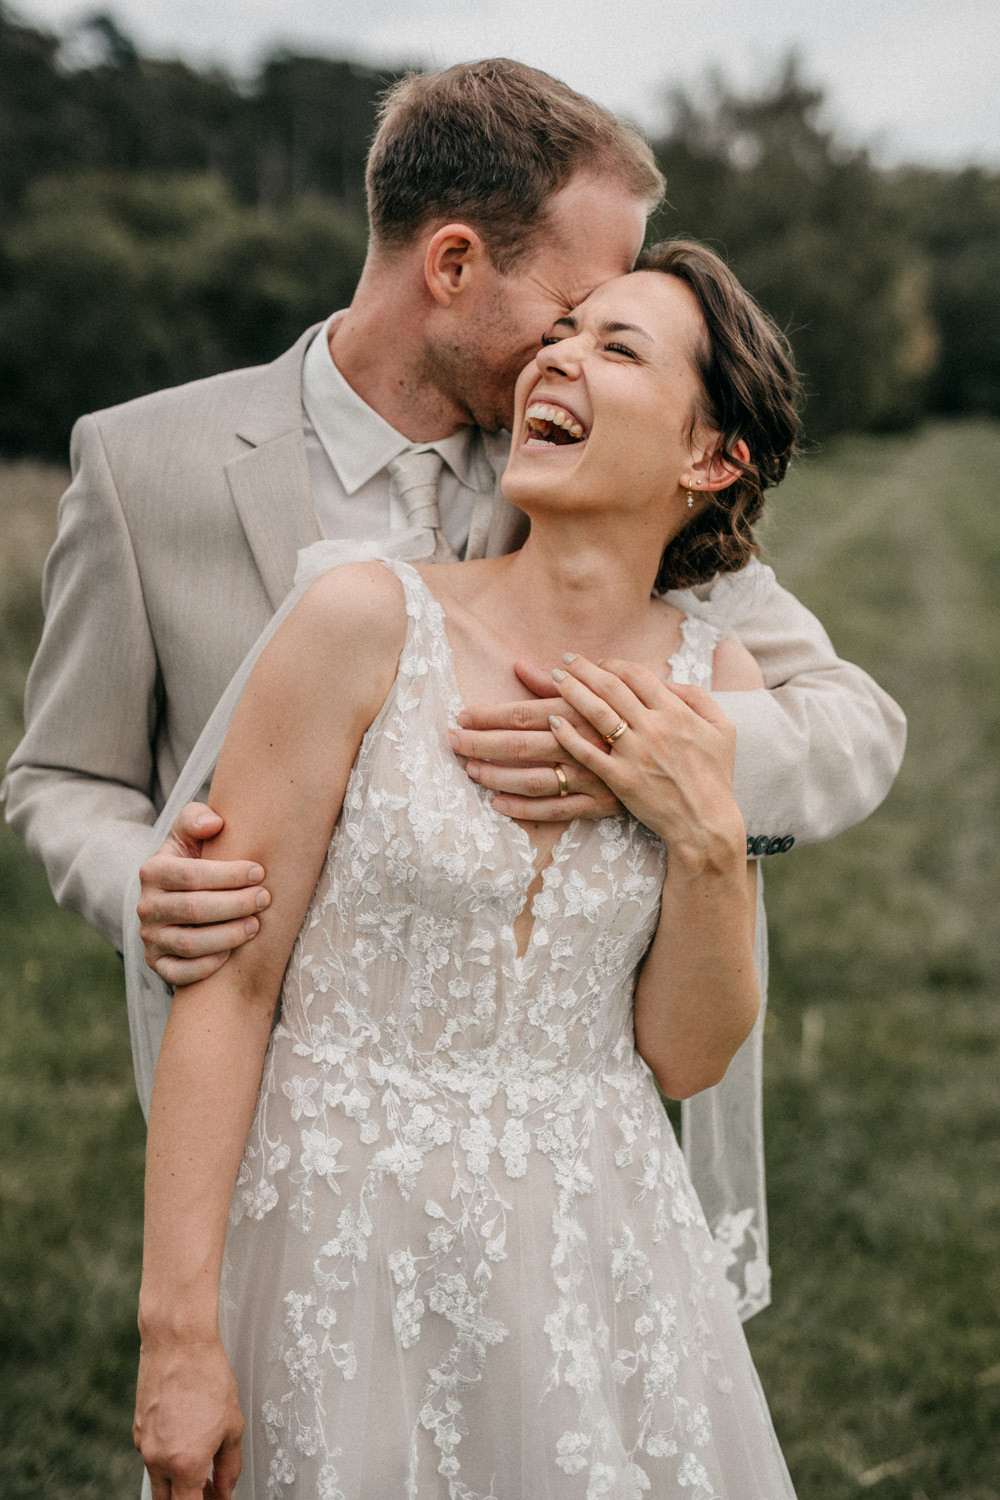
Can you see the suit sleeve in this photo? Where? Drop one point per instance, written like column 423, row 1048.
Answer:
column 819, row 751
column 78, row 786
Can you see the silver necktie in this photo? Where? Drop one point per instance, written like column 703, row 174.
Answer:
column 414, row 479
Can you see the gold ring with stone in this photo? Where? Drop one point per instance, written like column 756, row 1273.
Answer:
column 616, row 733
column 563, row 783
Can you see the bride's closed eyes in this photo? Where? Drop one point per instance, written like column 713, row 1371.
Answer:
column 552, row 338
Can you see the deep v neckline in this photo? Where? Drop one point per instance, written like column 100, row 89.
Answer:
column 534, row 860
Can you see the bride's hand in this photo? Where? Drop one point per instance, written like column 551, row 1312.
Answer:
column 672, row 763
column 188, row 1426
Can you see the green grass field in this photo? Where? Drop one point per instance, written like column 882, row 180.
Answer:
column 881, row 1353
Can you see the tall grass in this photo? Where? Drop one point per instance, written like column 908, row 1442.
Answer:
column 881, row 1354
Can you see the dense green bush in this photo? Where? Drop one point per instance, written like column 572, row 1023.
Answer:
column 955, row 219
column 808, row 226
column 116, row 284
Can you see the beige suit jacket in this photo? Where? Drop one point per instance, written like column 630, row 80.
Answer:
column 177, row 540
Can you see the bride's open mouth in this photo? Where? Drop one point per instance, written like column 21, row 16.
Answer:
column 550, row 426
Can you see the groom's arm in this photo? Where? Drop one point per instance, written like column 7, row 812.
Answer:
column 815, row 755
column 77, row 786
column 820, row 750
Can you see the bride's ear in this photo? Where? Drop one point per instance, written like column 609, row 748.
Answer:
column 709, row 470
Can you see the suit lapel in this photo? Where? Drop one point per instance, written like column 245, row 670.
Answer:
column 269, row 483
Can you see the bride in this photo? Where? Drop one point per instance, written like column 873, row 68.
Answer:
column 463, row 1255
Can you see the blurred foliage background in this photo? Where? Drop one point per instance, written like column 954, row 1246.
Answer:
column 158, row 223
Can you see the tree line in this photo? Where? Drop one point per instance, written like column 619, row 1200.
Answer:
column 159, row 222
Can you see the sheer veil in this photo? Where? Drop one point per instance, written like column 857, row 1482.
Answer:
column 722, row 1129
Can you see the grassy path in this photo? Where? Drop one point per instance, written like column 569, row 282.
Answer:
column 881, row 1354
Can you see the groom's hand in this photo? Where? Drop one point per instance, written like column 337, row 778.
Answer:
column 195, row 911
column 510, row 748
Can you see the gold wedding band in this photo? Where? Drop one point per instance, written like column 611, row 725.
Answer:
column 563, row 783
column 617, row 733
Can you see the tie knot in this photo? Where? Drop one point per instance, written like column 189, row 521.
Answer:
column 415, row 478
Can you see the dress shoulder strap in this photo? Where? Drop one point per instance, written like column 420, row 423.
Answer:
column 692, row 663
column 426, row 650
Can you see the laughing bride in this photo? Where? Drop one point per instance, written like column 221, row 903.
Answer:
column 463, row 1256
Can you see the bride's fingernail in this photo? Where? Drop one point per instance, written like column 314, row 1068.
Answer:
column 558, row 675
column 555, row 721
column 569, row 656
column 453, row 739
column 472, row 770
column 254, row 874
column 465, row 719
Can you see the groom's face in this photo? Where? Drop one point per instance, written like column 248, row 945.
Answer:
column 594, row 233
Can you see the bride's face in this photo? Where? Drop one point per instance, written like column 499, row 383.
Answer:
column 606, row 414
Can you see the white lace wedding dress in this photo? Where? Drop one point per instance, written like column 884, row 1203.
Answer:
column 464, row 1257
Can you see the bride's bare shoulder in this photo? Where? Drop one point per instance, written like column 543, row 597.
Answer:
column 357, row 602
column 339, row 648
column 734, row 670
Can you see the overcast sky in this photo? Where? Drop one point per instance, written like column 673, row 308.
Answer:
column 915, row 79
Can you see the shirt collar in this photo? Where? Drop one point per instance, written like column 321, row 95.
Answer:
column 358, row 442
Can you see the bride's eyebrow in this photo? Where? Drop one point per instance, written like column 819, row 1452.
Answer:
column 571, row 323
column 626, row 328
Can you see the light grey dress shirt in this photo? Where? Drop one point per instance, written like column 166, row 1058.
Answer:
column 349, row 447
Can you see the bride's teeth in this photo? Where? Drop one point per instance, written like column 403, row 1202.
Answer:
column 539, row 411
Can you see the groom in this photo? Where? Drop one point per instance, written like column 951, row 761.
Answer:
column 498, row 199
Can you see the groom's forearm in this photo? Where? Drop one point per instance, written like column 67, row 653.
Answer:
column 814, row 756
column 819, row 751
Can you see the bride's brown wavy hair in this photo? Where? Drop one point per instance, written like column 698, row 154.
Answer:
column 750, row 391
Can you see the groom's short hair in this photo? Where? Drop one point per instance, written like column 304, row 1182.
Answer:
column 489, row 143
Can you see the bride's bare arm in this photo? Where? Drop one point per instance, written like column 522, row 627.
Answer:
column 697, row 995
column 279, row 785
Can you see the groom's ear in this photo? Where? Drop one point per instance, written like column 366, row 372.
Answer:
column 455, row 255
